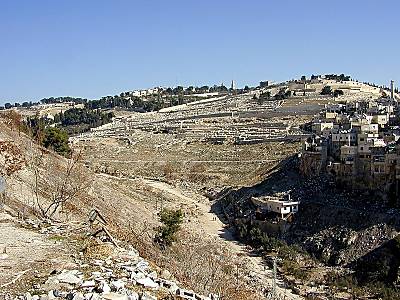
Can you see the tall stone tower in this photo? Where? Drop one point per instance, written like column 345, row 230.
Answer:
column 233, row 87
column 392, row 89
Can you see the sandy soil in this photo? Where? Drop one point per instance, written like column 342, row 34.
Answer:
column 29, row 255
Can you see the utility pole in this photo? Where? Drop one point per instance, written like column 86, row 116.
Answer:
column 273, row 293
column 274, row 288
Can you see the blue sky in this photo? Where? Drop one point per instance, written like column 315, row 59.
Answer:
column 93, row 48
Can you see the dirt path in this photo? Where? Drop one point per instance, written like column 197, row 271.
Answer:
column 28, row 253
column 212, row 225
column 204, row 221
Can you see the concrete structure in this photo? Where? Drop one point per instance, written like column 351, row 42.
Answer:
column 322, row 128
column 276, row 205
column 360, row 147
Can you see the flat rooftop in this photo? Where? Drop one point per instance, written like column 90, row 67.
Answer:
column 275, row 199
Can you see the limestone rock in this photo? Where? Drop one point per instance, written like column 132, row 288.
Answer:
column 147, row 282
column 88, row 284
column 104, row 287
column 114, row 296
column 69, row 277
column 133, row 296
column 117, row 284
column 147, row 296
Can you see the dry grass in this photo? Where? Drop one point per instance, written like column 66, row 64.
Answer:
column 94, row 249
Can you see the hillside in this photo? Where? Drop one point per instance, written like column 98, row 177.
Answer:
column 188, row 156
column 128, row 205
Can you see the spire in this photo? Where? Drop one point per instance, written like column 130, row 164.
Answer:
column 392, row 89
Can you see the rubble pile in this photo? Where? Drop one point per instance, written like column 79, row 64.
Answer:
column 122, row 275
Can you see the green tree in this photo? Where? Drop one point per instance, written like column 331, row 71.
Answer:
column 171, row 222
column 204, row 89
column 56, row 139
column 178, row 90
column 326, row 90
column 338, row 93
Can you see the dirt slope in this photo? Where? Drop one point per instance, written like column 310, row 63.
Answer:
column 130, row 207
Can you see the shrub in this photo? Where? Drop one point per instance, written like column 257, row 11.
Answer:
column 171, row 220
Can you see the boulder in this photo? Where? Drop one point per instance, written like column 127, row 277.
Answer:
column 147, row 296
column 117, row 284
column 137, row 275
column 114, row 296
column 92, row 296
column 104, row 287
column 28, row 296
column 78, row 296
column 147, row 282
column 70, row 277
column 133, row 296
column 88, row 284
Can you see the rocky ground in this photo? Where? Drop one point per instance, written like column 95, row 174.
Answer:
column 22, row 251
column 342, row 229
column 202, row 259
column 94, row 269
column 129, row 182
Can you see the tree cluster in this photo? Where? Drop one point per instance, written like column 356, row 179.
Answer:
column 337, row 93
column 336, row 77
column 132, row 103
column 52, row 138
column 63, row 100
column 283, row 94
column 25, row 104
column 79, row 116
column 326, row 90
column 180, row 90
